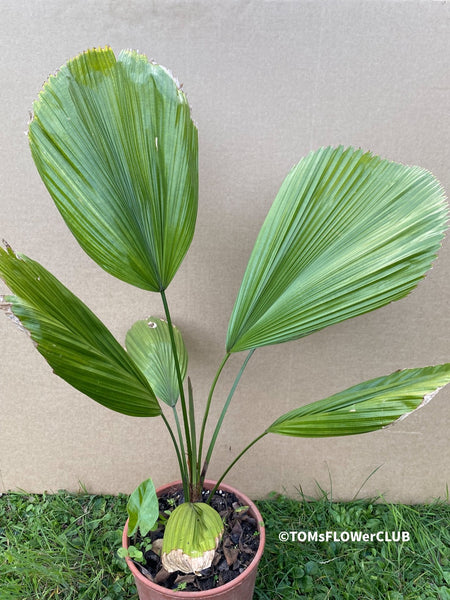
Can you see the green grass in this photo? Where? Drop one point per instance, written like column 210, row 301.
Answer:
column 64, row 546
column 415, row 570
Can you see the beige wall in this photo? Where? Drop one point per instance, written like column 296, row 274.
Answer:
column 268, row 81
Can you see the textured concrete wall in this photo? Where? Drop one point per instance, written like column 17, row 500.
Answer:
column 268, row 82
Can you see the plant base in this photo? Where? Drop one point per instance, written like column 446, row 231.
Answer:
column 241, row 588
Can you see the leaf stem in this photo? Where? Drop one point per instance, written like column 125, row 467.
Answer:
column 225, row 473
column 180, row 457
column 184, row 470
column 180, row 386
column 208, row 405
column 222, row 415
column 195, row 475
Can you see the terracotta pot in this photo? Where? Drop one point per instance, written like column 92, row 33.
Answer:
column 240, row 588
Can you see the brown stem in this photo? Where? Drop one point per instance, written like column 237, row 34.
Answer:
column 195, row 492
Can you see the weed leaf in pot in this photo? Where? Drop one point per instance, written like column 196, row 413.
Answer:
column 348, row 232
column 142, row 508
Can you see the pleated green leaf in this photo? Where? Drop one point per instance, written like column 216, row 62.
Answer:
column 191, row 536
column 75, row 343
column 367, row 406
column 115, row 145
column 148, row 344
column 347, row 233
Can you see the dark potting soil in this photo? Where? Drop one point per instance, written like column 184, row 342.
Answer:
column 239, row 545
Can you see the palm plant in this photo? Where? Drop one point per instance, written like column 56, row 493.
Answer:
column 348, row 232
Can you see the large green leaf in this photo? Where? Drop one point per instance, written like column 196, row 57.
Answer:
column 367, row 406
column 148, row 343
column 75, row 343
column 115, row 145
column 347, row 233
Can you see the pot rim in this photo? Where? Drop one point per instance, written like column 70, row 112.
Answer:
column 227, row 586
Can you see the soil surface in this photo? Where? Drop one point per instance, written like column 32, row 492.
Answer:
column 239, row 545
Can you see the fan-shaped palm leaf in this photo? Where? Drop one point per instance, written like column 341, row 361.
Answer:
column 75, row 343
column 367, row 406
column 347, row 233
column 115, row 145
column 148, row 343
